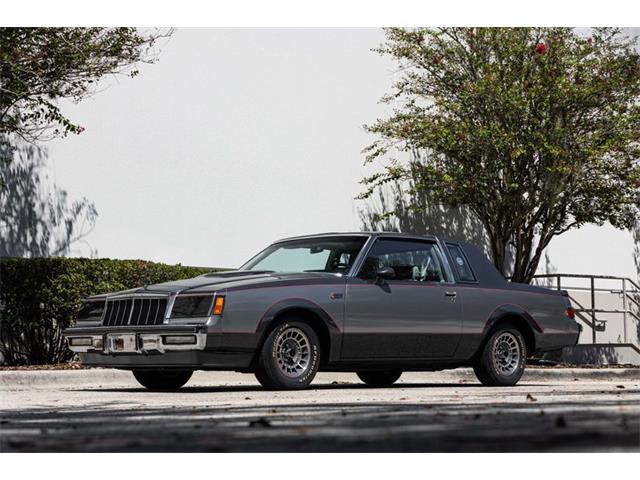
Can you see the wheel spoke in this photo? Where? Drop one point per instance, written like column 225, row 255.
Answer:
column 293, row 352
column 506, row 354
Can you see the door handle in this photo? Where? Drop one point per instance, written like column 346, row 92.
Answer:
column 450, row 294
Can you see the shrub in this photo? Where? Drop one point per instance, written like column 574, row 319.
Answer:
column 39, row 297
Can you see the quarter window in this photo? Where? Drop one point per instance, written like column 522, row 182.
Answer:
column 411, row 260
column 461, row 264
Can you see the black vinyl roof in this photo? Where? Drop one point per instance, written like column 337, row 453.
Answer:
column 484, row 270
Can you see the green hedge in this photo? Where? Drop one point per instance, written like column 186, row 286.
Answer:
column 39, row 297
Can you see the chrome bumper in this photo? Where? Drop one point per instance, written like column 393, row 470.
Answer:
column 140, row 341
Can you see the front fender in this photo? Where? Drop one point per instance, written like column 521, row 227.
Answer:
column 292, row 304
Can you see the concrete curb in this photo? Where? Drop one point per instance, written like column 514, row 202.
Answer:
column 35, row 378
column 550, row 374
column 610, row 374
column 12, row 379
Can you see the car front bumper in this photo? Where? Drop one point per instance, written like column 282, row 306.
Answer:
column 139, row 347
column 136, row 339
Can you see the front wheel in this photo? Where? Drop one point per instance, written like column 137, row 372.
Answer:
column 501, row 362
column 289, row 358
column 162, row 380
column 381, row 378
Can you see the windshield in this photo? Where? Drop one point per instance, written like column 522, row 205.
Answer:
column 331, row 255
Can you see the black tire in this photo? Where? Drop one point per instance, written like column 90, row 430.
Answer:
column 379, row 378
column 284, row 363
column 162, row 380
column 502, row 359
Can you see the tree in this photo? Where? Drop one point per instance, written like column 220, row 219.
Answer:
column 39, row 66
column 37, row 218
column 534, row 130
column 400, row 207
column 636, row 250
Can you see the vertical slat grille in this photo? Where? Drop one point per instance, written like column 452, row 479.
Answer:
column 135, row 314
column 135, row 311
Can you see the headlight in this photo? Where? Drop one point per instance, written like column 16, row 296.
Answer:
column 191, row 305
column 91, row 310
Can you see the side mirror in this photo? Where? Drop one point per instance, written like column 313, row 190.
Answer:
column 385, row 273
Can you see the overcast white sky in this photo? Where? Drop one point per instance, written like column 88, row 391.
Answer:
column 239, row 137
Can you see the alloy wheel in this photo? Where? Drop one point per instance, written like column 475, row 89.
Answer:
column 293, row 350
column 506, row 354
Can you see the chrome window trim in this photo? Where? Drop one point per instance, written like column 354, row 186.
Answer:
column 458, row 279
column 364, row 251
column 451, row 279
column 445, row 261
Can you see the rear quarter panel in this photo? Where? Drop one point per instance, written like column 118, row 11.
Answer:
column 545, row 311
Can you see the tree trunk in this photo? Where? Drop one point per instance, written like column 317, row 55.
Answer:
column 525, row 262
column 498, row 246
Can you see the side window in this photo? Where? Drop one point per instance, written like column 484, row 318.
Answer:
column 340, row 261
column 461, row 264
column 411, row 260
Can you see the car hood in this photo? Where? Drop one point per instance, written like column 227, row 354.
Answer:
column 211, row 282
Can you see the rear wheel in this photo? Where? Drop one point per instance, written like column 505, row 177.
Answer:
column 379, row 378
column 289, row 358
column 162, row 380
column 501, row 362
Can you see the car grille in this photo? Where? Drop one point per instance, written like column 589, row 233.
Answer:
column 135, row 311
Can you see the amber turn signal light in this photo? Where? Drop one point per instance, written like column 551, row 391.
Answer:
column 218, row 306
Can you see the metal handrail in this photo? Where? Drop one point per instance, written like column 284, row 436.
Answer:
column 599, row 326
column 629, row 293
column 586, row 275
column 634, row 299
column 581, row 275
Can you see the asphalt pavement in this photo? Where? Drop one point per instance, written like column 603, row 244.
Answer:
column 102, row 410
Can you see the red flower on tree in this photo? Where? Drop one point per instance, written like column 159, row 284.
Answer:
column 541, row 49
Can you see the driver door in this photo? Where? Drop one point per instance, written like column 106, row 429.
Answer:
column 415, row 314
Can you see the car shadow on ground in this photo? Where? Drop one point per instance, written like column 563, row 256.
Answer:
column 326, row 386
column 512, row 426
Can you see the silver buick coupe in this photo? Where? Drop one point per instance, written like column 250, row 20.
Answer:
column 376, row 304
